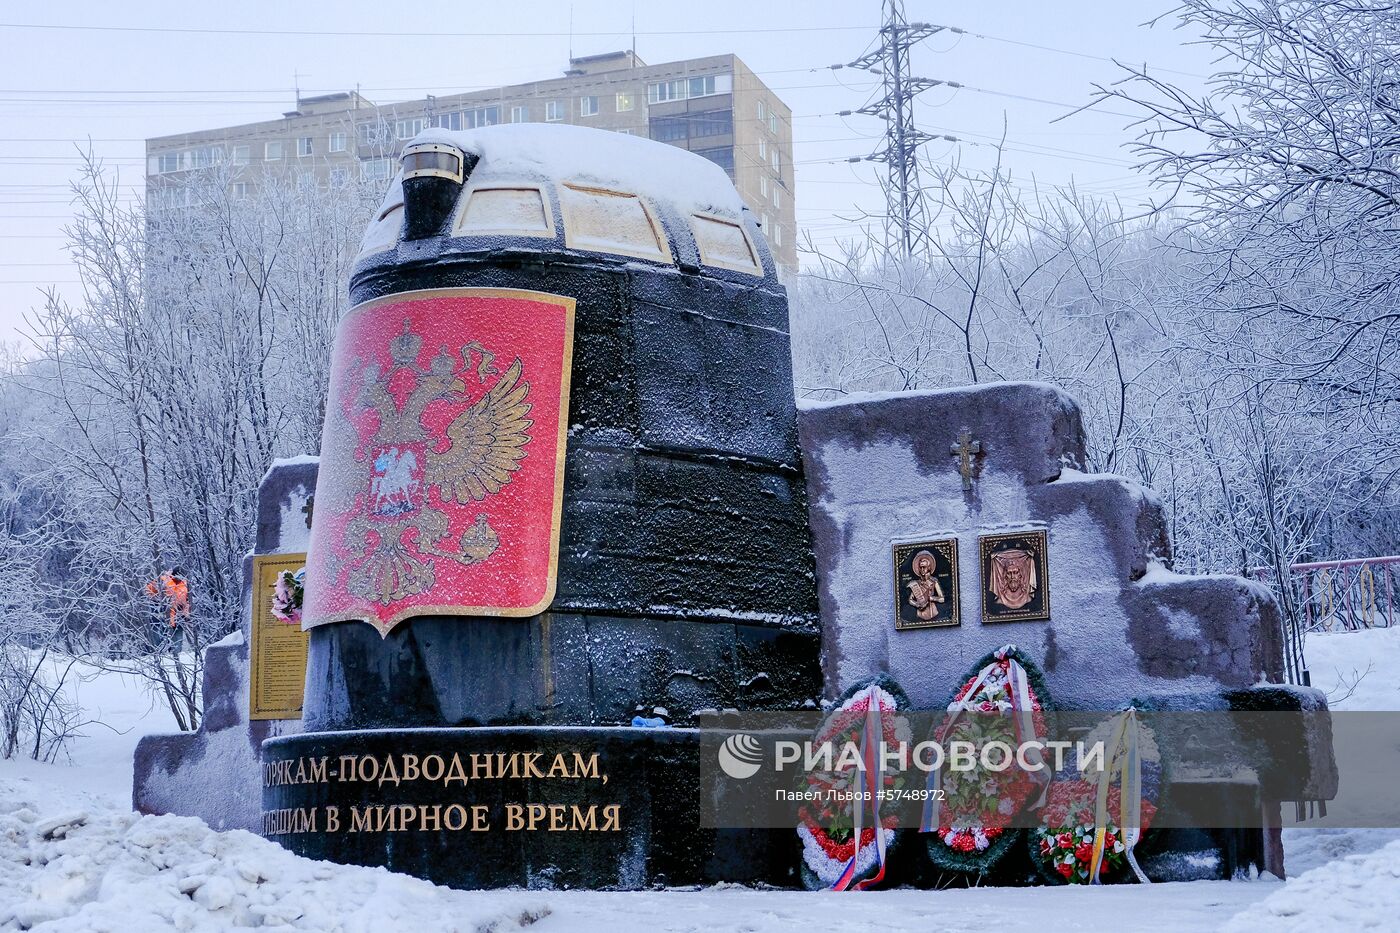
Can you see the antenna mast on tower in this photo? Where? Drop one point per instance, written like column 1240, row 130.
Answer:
column 906, row 218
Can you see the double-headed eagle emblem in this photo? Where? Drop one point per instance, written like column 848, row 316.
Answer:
column 414, row 468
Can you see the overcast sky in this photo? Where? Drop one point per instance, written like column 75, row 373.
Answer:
column 237, row 63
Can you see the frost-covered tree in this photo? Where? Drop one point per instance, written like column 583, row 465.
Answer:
column 199, row 352
column 1288, row 168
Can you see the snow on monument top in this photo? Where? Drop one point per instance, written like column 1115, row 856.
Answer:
column 581, row 155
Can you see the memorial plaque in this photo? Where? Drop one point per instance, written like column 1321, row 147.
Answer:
column 1015, row 577
column 277, row 646
column 926, row 584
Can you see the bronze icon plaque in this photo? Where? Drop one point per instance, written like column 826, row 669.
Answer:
column 926, row 584
column 1015, row 577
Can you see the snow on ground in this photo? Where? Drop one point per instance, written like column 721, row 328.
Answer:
column 110, row 871
column 1357, row 671
column 1340, row 878
column 1362, row 891
column 95, row 768
column 73, row 858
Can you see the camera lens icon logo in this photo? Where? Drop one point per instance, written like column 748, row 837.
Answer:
column 740, row 756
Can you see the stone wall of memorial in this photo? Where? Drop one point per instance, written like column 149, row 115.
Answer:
column 999, row 471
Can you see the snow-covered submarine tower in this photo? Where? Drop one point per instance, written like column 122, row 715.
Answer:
column 560, row 479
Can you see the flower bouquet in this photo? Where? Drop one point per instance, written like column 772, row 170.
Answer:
column 287, row 596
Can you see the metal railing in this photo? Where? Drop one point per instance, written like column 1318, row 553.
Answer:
column 1347, row 595
column 1335, row 596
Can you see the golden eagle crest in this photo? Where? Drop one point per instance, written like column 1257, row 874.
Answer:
column 433, row 442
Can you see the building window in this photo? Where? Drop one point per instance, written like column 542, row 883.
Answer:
column 773, row 123
column 669, row 129
column 242, row 154
column 776, row 234
column 588, row 106
column 774, row 160
column 373, row 134
column 665, row 90
column 520, row 114
column 272, row 151
column 238, row 190
column 337, row 142
column 626, row 102
column 481, row 116
column 687, row 88
column 304, row 146
column 762, row 112
column 763, row 186
column 407, row 129
column 168, row 198
column 551, row 111
column 692, row 126
column 468, row 119
column 339, row 177
column 762, row 150
column 627, row 132
column 376, row 169
column 712, row 123
column 777, row 195
column 168, row 162
column 722, row 156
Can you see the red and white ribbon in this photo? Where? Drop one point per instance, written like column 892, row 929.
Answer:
column 870, row 781
column 1022, row 719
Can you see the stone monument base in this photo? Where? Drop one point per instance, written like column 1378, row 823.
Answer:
column 524, row 806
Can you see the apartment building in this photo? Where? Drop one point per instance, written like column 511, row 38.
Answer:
column 714, row 106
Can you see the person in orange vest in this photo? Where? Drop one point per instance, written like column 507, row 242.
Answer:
column 172, row 587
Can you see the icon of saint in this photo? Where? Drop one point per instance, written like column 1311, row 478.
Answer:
column 925, row 593
column 1013, row 581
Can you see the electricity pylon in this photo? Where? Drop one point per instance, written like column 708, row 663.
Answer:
column 906, row 217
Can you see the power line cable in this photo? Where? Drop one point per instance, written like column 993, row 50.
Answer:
column 1077, row 108
column 1071, row 52
column 377, row 34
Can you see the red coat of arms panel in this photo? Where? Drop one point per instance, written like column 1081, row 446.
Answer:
column 442, row 458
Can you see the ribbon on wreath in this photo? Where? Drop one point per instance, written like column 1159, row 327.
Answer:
column 870, row 781
column 1123, row 761
column 1022, row 720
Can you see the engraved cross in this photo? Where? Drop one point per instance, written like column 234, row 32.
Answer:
column 965, row 449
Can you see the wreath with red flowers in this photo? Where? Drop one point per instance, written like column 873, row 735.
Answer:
column 978, row 807
column 1062, row 848
column 827, row 825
